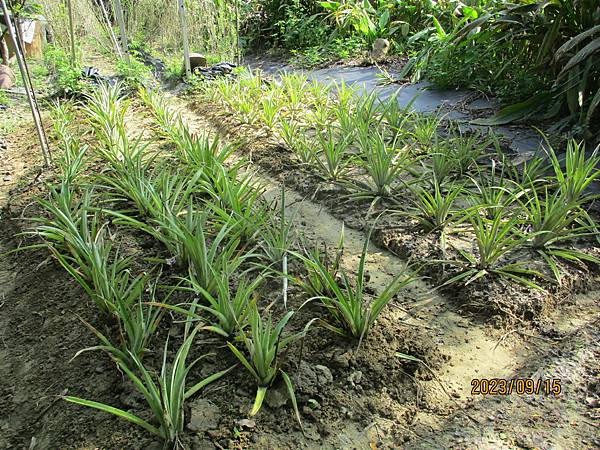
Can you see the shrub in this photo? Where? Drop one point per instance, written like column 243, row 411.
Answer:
column 66, row 76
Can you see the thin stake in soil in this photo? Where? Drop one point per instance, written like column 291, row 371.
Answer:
column 28, row 87
column 110, row 30
column 121, row 20
column 71, row 32
column 184, row 35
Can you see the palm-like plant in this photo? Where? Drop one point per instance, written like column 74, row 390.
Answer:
column 369, row 109
column 73, row 157
column 276, row 240
column 332, row 161
column 76, row 238
column 423, row 129
column 493, row 192
column 165, row 394
column 200, row 151
column 264, row 344
column 435, row 210
column 271, row 110
column 305, row 150
column 578, row 173
column 294, row 87
column 554, row 220
column 398, row 118
column 384, row 164
column 495, row 240
column 106, row 108
column 238, row 200
column 313, row 283
column 209, row 256
column 466, row 150
column 443, row 163
column 345, row 95
column 228, row 308
column 353, row 313
column 289, row 131
column 131, row 307
column 79, row 243
column 556, row 213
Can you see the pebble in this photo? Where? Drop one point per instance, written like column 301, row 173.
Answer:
column 355, row 377
column 324, row 375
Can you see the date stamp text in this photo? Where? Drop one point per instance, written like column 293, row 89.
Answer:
column 518, row 386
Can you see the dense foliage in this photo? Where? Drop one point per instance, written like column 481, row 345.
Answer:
column 546, row 53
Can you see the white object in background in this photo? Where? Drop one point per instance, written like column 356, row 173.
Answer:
column 28, row 30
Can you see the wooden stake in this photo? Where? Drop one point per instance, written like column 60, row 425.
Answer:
column 184, row 33
column 72, row 33
column 121, row 20
column 28, row 88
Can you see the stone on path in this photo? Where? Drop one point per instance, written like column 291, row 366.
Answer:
column 197, row 60
column 381, row 47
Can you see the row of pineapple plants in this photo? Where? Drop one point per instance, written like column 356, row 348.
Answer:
column 447, row 181
column 216, row 233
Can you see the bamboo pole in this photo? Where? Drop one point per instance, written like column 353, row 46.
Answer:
column 110, row 30
column 121, row 20
column 28, row 88
column 71, row 33
column 186, row 43
column 22, row 49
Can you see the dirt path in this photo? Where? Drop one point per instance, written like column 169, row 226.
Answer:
column 473, row 350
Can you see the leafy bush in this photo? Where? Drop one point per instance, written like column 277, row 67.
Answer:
column 476, row 67
column 370, row 20
column 66, row 76
column 338, row 48
column 134, row 73
column 547, row 52
column 285, row 23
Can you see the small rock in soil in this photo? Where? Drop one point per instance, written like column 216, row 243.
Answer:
column 343, row 359
column 355, row 377
column 204, row 415
column 245, row 423
column 277, row 397
column 324, row 375
column 307, row 381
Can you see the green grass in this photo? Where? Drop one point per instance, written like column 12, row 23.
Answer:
column 4, row 98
